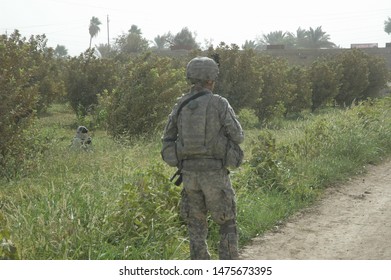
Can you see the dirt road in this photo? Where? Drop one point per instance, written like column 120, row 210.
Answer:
column 351, row 222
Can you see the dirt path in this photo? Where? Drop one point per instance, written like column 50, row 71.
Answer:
column 351, row 222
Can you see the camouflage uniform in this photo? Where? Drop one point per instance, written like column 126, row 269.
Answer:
column 207, row 186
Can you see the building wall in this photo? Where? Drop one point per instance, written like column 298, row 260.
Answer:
column 307, row 56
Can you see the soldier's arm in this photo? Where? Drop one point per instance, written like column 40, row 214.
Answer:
column 171, row 130
column 232, row 126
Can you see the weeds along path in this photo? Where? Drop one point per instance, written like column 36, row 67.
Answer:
column 352, row 221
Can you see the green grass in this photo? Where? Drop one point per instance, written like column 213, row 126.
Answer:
column 116, row 202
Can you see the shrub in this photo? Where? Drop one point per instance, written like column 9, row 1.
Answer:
column 147, row 214
column 301, row 92
column 355, row 77
column 269, row 164
column 325, row 82
column 145, row 95
column 276, row 92
column 19, row 94
column 48, row 73
column 239, row 80
column 248, row 119
column 88, row 76
column 378, row 76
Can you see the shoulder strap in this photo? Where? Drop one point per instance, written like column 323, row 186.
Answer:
column 195, row 96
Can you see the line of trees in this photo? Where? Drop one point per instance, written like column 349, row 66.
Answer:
column 302, row 39
column 134, row 42
column 132, row 94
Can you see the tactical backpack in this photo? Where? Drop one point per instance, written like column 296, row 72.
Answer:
column 192, row 122
column 200, row 137
column 193, row 141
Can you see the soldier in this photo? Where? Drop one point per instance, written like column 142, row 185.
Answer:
column 202, row 140
column 81, row 140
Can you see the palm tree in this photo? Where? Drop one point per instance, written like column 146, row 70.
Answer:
column 135, row 30
column 94, row 28
column 276, row 38
column 387, row 26
column 318, row 39
column 249, row 45
column 163, row 41
column 60, row 51
column 301, row 38
column 184, row 40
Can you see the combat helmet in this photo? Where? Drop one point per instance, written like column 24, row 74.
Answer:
column 202, row 68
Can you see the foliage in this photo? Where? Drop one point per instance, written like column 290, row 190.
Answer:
column 94, row 28
column 317, row 39
column 60, row 51
column 49, row 73
column 117, row 202
column 276, row 91
column 387, row 25
column 147, row 214
column 239, row 78
column 354, row 80
column 377, row 77
column 88, row 76
column 301, row 92
column 144, row 96
column 163, row 41
column 184, row 40
column 303, row 39
column 248, row 119
column 21, row 84
column 276, row 38
column 269, row 164
column 249, row 44
column 8, row 251
column 131, row 43
column 325, row 81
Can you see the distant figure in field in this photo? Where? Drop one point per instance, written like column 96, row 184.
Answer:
column 82, row 140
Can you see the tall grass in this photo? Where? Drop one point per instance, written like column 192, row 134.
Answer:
column 290, row 167
column 116, row 202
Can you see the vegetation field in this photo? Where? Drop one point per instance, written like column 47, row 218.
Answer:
column 116, row 201
column 306, row 127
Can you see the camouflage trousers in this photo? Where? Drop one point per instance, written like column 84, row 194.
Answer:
column 209, row 191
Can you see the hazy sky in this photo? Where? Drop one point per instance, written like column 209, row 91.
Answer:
column 65, row 22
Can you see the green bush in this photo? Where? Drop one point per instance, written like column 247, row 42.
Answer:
column 117, row 202
column 48, row 73
column 145, row 96
column 86, row 77
column 147, row 213
column 301, row 92
column 248, row 119
column 355, row 77
column 378, row 76
column 325, row 82
column 277, row 91
column 19, row 95
column 269, row 165
column 239, row 80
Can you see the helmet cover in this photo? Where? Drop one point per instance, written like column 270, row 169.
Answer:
column 202, row 68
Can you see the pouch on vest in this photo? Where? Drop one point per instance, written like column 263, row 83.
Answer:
column 234, row 155
column 169, row 154
column 231, row 153
column 193, row 122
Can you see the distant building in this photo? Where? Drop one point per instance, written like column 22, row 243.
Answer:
column 275, row 47
column 364, row 46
